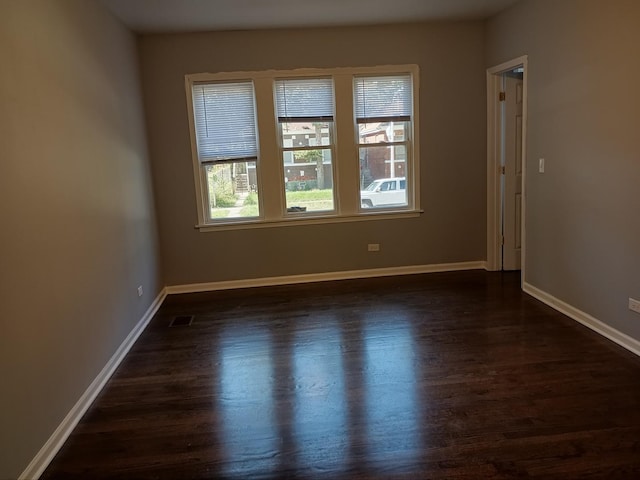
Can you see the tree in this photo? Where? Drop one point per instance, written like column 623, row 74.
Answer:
column 319, row 158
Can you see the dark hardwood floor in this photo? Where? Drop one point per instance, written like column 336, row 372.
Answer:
column 453, row 375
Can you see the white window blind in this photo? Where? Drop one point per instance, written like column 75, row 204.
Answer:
column 300, row 100
column 383, row 98
column 225, row 121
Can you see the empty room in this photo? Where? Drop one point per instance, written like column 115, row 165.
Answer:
column 302, row 239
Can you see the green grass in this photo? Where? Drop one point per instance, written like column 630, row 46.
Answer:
column 249, row 211
column 310, row 196
column 246, row 211
column 225, row 200
column 252, row 199
column 219, row 212
column 314, row 200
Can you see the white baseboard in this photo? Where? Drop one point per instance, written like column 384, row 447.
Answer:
column 324, row 277
column 585, row 319
column 57, row 439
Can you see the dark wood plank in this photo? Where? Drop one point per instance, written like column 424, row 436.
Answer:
column 453, row 375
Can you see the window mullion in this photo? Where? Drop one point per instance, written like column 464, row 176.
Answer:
column 306, row 149
column 346, row 147
column 270, row 168
column 198, row 170
column 384, row 144
column 413, row 156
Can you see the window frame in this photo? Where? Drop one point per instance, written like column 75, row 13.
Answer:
column 345, row 150
column 406, row 143
column 331, row 147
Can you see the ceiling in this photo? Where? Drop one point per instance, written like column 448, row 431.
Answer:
column 147, row 16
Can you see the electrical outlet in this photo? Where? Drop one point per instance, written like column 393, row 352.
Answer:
column 634, row 305
column 140, row 291
column 373, row 247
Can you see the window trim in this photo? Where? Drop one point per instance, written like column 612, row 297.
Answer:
column 346, row 144
column 331, row 148
column 280, row 121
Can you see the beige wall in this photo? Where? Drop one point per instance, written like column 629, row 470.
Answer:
column 78, row 231
column 452, row 142
column 583, row 223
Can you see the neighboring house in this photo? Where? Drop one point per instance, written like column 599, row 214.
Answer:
column 376, row 163
column 300, row 169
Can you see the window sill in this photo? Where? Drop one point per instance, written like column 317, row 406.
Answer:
column 316, row 220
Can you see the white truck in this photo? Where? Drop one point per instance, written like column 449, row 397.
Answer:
column 384, row 192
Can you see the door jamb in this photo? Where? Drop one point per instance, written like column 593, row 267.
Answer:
column 494, row 134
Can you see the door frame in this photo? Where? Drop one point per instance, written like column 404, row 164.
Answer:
column 494, row 142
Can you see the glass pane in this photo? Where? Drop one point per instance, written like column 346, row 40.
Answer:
column 232, row 190
column 304, row 98
column 225, row 123
column 386, row 96
column 308, row 180
column 305, row 134
column 381, row 132
column 382, row 176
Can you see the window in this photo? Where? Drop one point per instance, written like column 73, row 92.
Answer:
column 227, row 150
column 305, row 119
column 383, row 106
column 304, row 146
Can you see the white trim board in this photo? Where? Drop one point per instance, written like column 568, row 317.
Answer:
column 325, row 277
column 55, row 442
column 494, row 198
column 585, row 319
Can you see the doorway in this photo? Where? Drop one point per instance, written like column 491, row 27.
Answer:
column 506, row 165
